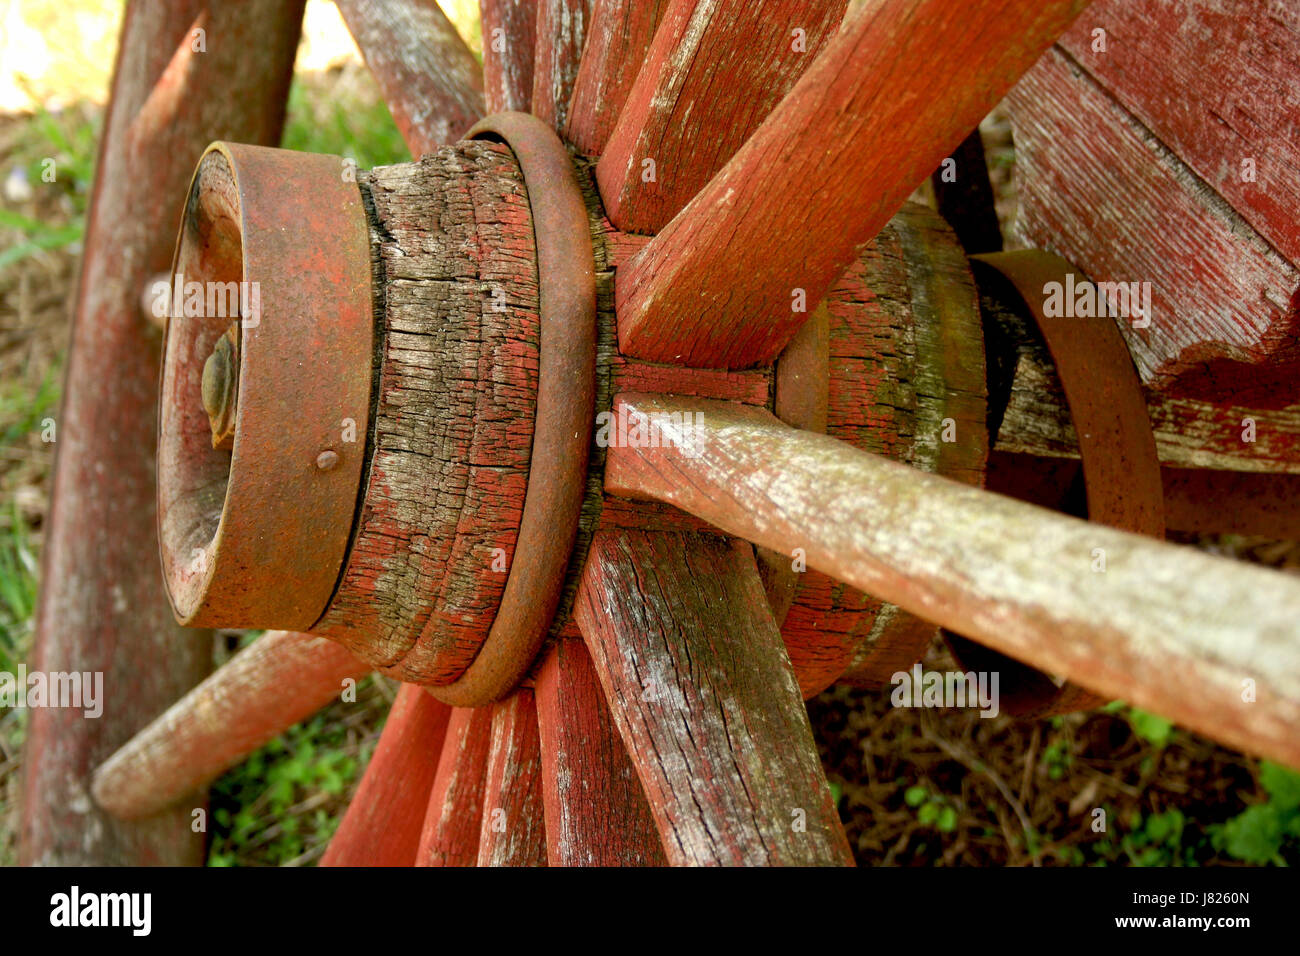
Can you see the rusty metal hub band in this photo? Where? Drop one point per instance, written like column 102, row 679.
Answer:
column 1117, row 448
column 267, row 327
column 566, row 410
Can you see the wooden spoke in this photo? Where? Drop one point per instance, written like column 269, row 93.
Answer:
column 508, row 31
column 383, row 823
column 561, row 32
column 513, row 832
column 430, row 79
column 451, row 821
column 596, row 811
column 620, row 34
column 101, row 609
column 706, row 701
column 713, row 73
column 1115, row 612
column 278, row 680
column 868, row 121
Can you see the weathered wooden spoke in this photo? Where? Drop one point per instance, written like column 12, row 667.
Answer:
column 560, row 33
column 596, row 812
column 713, row 73
column 617, row 40
column 513, row 832
column 508, row 39
column 861, row 129
column 450, row 834
column 262, row 691
column 429, row 77
column 706, row 701
column 386, row 816
column 1115, row 612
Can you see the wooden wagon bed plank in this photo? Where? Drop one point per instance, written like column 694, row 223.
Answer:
column 713, row 73
column 706, row 701
column 384, row 819
column 1103, row 192
column 1115, row 612
column 560, row 34
column 450, row 835
column 860, row 130
column 1219, row 83
column 508, row 54
column 1189, row 432
column 513, row 832
column 430, row 79
column 620, row 34
column 596, row 811
column 101, row 609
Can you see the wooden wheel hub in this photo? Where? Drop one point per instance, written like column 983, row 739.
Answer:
column 425, row 486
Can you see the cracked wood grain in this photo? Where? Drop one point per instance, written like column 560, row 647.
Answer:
column 513, row 832
column 1210, row 643
column 596, row 811
column 706, row 701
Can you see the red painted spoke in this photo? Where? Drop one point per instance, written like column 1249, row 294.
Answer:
column 508, row 30
column 513, row 832
column 706, row 701
column 451, row 821
column 713, row 73
column 383, row 823
column 1113, row 611
column 617, row 41
column 430, row 79
column 265, row 689
column 596, row 811
column 867, row 123
column 561, row 32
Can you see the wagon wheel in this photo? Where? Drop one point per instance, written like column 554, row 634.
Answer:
column 592, row 676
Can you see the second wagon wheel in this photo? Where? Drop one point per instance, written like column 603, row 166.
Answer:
column 510, row 422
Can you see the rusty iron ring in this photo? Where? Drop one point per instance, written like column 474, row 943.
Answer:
column 235, row 525
column 566, row 411
column 1117, row 448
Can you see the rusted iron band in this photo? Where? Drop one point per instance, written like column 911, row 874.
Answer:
column 566, row 411
column 1121, row 469
column 235, row 526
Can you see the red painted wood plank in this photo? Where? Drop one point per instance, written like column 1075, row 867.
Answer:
column 430, row 79
column 561, row 33
column 383, row 823
column 101, row 608
column 714, row 72
column 619, row 35
column 451, row 822
column 1218, row 81
column 278, row 680
column 508, row 40
column 513, row 832
column 596, row 811
column 706, row 701
column 1113, row 611
column 860, row 130
column 1098, row 190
